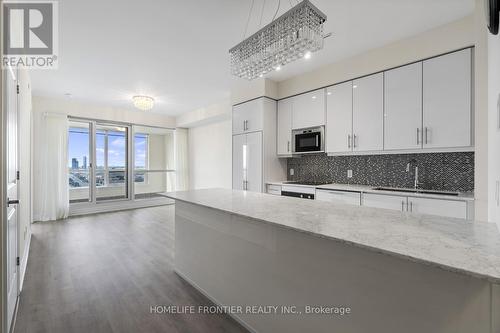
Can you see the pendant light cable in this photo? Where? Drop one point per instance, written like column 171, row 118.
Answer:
column 248, row 19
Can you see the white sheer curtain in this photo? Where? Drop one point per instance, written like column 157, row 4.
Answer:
column 181, row 159
column 51, row 190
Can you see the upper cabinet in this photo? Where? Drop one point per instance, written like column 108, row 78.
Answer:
column 403, row 107
column 308, row 109
column 284, row 136
column 447, row 110
column 249, row 116
column 367, row 113
column 339, row 118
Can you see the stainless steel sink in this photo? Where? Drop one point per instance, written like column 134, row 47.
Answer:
column 411, row 190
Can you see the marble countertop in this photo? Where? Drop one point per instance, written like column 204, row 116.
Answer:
column 457, row 245
column 371, row 189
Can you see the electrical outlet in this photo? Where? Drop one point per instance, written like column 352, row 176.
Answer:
column 291, row 172
column 349, row 173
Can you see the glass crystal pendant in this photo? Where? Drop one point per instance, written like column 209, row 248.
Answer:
column 296, row 33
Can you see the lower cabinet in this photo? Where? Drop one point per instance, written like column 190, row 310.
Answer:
column 393, row 202
column 448, row 208
column 273, row 189
column 439, row 207
column 342, row 197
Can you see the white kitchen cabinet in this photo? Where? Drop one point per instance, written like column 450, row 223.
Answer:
column 403, row 107
column 248, row 116
column 367, row 115
column 339, row 118
column 239, row 152
column 447, row 101
column 253, row 165
column 308, row 109
column 447, row 208
column 274, row 189
column 247, row 162
column 284, row 135
column 384, row 201
column 340, row 197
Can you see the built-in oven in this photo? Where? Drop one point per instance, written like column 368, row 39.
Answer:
column 305, row 192
column 308, row 140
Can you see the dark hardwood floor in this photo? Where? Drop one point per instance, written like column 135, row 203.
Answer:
column 102, row 273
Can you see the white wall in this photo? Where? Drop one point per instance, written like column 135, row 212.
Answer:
column 85, row 110
column 210, row 151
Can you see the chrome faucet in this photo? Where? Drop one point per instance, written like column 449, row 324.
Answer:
column 416, row 183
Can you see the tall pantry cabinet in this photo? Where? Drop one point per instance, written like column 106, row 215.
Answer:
column 255, row 158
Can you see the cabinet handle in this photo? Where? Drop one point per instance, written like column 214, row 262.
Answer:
column 426, row 140
column 288, row 146
column 411, row 206
column 247, row 125
column 418, row 136
column 354, row 141
column 402, row 205
column 349, row 141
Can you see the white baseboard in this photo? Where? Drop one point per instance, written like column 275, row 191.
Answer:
column 24, row 262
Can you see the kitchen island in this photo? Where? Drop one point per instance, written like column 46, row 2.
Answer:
column 376, row 270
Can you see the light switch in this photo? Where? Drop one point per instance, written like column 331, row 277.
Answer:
column 291, row 172
column 349, row 173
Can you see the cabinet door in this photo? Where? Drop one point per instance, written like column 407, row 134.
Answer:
column 339, row 118
column 368, row 113
column 309, row 109
column 447, row 208
column 340, row 197
column 403, row 107
column 239, row 142
column 248, row 117
column 385, row 201
column 284, row 136
column 447, row 100
column 253, row 163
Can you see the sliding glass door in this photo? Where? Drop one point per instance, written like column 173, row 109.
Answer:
column 115, row 162
column 111, row 162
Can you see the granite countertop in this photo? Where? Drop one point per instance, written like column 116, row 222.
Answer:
column 458, row 245
column 371, row 189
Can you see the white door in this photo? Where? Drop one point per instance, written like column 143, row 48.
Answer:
column 339, row 118
column 403, row 107
column 340, row 197
column 11, row 104
column 447, row 208
column 254, row 162
column 239, row 158
column 385, row 201
column 248, row 116
column 285, row 127
column 447, row 100
column 309, row 109
column 368, row 113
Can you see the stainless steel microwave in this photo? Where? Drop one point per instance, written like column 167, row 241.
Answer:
column 308, row 140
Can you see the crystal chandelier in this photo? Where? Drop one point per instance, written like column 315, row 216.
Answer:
column 293, row 35
column 143, row 103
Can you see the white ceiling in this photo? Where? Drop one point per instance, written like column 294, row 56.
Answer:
column 177, row 51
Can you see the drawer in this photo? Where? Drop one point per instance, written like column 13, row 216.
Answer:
column 341, row 197
column 274, row 189
column 298, row 189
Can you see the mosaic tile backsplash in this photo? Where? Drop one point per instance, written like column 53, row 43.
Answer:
column 437, row 171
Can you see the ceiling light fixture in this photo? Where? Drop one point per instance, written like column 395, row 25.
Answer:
column 143, row 103
column 297, row 32
column 307, row 55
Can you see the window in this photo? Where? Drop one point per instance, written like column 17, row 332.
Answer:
column 141, row 157
column 79, row 161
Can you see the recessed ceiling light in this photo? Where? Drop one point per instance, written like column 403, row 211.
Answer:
column 354, row 86
column 314, row 97
column 307, row 55
column 143, row 102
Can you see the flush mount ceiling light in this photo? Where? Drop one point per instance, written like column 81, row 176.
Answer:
column 143, row 103
column 295, row 34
